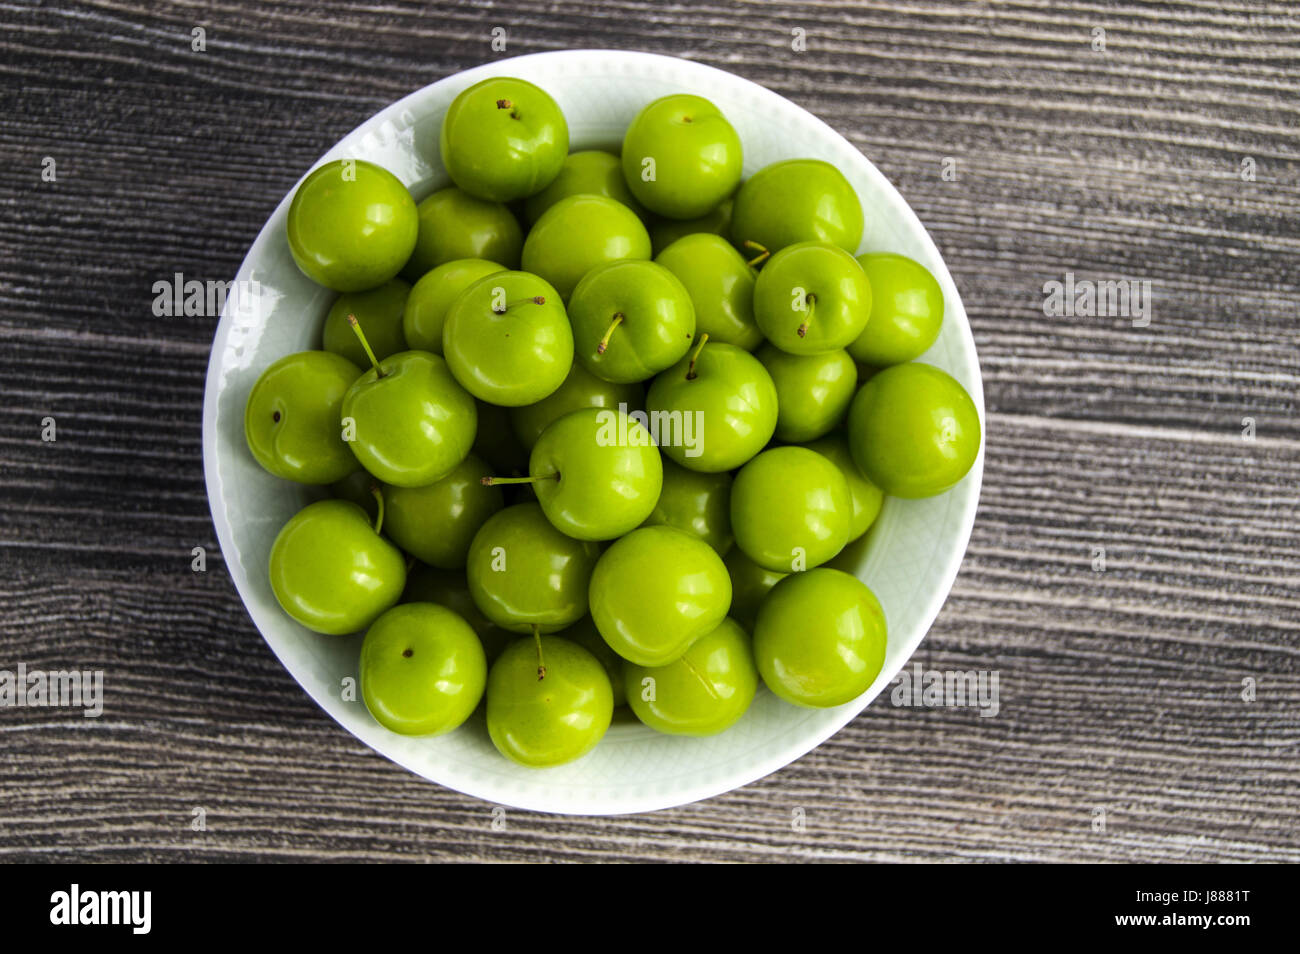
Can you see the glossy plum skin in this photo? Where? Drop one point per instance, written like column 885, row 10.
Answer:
column 503, row 139
column 291, row 420
column 649, row 616
column 704, row 692
column 331, row 572
column 422, row 669
column 913, row 430
column 681, row 157
column 798, row 200
column 790, row 509
column 522, row 572
column 554, row 719
column 819, row 639
column 351, row 225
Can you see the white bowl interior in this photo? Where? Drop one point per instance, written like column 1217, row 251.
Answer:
column 909, row 559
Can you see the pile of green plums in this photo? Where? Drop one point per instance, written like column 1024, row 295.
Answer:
column 588, row 427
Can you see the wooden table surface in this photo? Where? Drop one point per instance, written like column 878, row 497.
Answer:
column 1161, row 693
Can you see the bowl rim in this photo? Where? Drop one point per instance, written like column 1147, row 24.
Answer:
column 949, row 561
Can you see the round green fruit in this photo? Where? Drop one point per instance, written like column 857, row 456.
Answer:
column 698, row 503
column 913, row 430
column 704, row 692
column 455, row 226
column 432, row 295
column 681, row 158
column 291, row 420
column 721, row 286
column 423, row 669
column 906, row 311
column 351, row 225
column 820, row 638
column 503, row 139
column 811, row 298
column 657, row 590
column 790, row 509
column 813, row 391
column 435, row 523
column 379, row 310
column 549, row 702
column 799, row 200
column 508, row 340
column 578, row 233
column 332, row 571
column 410, row 422
column 589, row 172
column 523, row 572
column 630, row 320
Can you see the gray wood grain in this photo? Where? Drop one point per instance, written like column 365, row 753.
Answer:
column 1121, row 688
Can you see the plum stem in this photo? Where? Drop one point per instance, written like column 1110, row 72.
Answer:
column 493, row 481
column 506, row 104
column 761, row 257
column 690, row 368
column 811, row 301
column 535, row 300
column 604, row 342
column 541, row 666
column 379, row 499
column 361, row 336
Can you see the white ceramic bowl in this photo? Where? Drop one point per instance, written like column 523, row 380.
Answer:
column 909, row 559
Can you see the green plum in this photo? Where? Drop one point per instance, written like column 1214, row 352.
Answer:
column 291, row 419
column 722, row 404
column 820, row 638
column 590, row 172
column 523, row 572
column 913, row 430
column 432, row 295
column 867, row 497
column 450, row 588
column 799, row 200
column 411, row 423
column 697, row 503
column 630, row 320
column 716, row 221
column 810, row 298
column 578, row 233
column 503, row 139
column 681, row 158
column 703, row 692
column 721, row 286
column 906, row 310
column 596, row 472
column 332, row 571
column 790, row 509
column 585, row 634
column 657, row 590
column 379, row 311
column 749, row 584
column 435, row 523
column 351, row 225
column 580, row 389
column 423, row 669
column 547, row 703
column 812, row 391
column 456, row 226
column 508, row 340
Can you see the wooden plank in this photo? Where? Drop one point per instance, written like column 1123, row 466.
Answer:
column 1121, row 688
